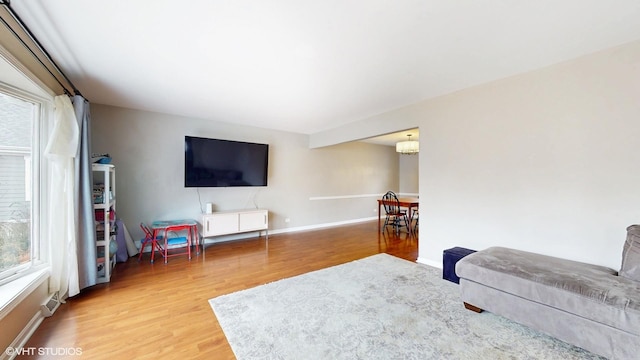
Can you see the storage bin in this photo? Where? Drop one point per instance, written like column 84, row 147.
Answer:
column 449, row 259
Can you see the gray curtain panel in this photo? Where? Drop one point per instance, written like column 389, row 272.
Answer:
column 85, row 227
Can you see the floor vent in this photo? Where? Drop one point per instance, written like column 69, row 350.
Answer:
column 51, row 305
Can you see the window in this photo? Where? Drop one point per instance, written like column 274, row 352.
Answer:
column 20, row 118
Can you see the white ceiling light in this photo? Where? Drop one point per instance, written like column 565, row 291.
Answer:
column 408, row 147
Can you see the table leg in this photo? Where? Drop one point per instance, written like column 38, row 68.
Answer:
column 410, row 213
column 154, row 243
column 190, row 241
column 379, row 210
column 194, row 229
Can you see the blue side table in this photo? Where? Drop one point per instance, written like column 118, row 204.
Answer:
column 449, row 259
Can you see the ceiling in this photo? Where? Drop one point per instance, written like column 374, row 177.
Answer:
column 307, row 66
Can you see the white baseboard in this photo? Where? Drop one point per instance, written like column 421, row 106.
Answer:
column 435, row 264
column 321, row 226
column 24, row 335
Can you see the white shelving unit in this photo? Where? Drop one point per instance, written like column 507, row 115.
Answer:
column 104, row 201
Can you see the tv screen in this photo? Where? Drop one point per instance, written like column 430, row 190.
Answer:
column 223, row 163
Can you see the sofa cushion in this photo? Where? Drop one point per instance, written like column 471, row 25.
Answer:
column 631, row 254
column 590, row 291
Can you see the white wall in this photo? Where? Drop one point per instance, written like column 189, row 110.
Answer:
column 304, row 185
column 545, row 161
column 408, row 175
column 24, row 316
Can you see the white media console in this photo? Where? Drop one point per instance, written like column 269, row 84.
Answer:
column 235, row 222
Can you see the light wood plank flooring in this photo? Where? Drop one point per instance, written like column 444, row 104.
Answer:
column 152, row 311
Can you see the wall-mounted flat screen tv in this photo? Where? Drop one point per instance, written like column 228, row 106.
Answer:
column 223, row 163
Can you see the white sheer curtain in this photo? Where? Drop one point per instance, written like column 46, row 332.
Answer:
column 61, row 150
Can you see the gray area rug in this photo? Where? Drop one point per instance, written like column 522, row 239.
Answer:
column 380, row 307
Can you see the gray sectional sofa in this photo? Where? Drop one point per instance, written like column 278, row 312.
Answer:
column 586, row 305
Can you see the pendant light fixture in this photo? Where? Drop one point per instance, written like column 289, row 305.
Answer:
column 408, row 147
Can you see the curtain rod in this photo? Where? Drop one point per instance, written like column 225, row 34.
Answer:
column 25, row 28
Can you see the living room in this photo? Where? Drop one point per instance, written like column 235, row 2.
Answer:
column 540, row 159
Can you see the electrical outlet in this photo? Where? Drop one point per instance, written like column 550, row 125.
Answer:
column 287, row 220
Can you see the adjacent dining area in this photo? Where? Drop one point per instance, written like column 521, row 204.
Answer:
column 399, row 212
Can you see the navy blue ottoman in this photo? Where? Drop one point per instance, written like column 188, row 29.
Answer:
column 449, row 259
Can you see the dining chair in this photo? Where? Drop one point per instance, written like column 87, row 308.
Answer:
column 172, row 237
column 415, row 216
column 148, row 238
column 394, row 215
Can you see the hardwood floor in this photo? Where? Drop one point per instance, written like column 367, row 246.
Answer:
column 153, row 311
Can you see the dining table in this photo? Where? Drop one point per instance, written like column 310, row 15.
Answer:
column 410, row 203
